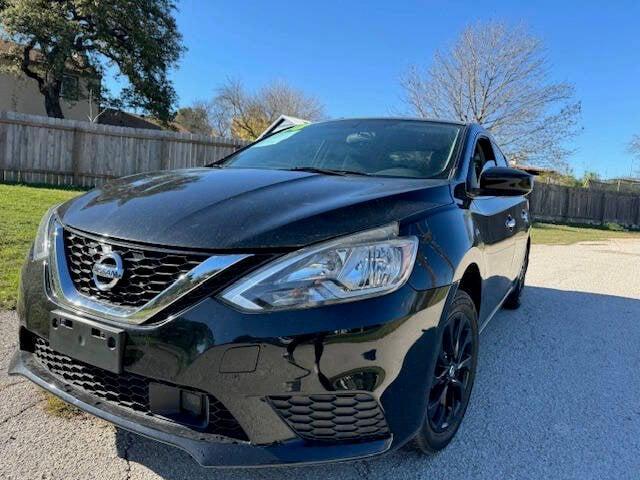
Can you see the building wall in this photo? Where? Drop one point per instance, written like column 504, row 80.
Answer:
column 20, row 94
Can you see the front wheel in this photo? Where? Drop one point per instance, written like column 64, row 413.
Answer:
column 455, row 370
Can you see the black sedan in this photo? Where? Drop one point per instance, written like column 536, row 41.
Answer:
column 316, row 296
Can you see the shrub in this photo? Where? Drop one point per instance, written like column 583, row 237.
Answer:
column 615, row 227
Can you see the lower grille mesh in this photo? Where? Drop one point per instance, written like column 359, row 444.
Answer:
column 126, row 389
column 339, row 416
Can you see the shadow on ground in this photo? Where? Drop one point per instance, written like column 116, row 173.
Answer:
column 556, row 396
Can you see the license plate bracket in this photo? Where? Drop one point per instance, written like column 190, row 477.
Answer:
column 88, row 341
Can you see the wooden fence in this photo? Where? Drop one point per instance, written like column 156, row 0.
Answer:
column 557, row 203
column 66, row 152
column 37, row 149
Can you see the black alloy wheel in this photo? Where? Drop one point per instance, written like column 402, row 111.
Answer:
column 454, row 373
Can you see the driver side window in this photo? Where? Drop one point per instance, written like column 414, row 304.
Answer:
column 483, row 158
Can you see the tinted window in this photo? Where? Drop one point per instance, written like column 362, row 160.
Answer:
column 401, row 148
column 483, row 158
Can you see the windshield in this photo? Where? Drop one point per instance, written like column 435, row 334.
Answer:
column 398, row 148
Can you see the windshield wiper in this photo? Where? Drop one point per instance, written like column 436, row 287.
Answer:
column 327, row 171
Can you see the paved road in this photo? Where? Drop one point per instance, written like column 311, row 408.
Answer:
column 557, row 395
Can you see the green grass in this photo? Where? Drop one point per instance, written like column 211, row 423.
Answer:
column 21, row 209
column 58, row 408
column 552, row 234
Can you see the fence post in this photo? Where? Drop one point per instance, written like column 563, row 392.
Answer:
column 75, row 156
column 603, row 209
column 165, row 161
column 3, row 142
column 565, row 213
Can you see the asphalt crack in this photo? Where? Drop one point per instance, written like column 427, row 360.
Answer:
column 31, row 405
column 125, row 453
column 13, row 384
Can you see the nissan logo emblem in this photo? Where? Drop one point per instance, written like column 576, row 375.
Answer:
column 107, row 271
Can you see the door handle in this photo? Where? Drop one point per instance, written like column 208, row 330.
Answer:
column 510, row 223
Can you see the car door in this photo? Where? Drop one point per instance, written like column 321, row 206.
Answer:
column 493, row 218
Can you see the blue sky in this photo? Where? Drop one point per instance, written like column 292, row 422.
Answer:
column 350, row 54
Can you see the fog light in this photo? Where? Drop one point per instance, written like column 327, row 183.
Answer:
column 191, row 403
column 182, row 406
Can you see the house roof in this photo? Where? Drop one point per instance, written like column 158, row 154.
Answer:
column 535, row 170
column 632, row 180
column 119, row 118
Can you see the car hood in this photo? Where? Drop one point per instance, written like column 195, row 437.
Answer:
column 222, row 209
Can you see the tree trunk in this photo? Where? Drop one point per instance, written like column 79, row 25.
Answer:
column 51, row 92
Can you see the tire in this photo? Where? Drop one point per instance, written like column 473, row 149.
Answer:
column 512, row 302
column 453, row 376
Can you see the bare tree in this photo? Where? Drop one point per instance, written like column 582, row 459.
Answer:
column 633, row 148
column 235, row 111
column 499, row 77
column 95, row 108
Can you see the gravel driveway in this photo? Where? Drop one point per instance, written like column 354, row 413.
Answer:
column 557, row 395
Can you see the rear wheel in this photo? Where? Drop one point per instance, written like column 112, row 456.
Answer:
column 454, row 373
column 513, row 300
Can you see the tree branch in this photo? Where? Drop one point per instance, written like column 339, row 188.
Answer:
column 26, row 63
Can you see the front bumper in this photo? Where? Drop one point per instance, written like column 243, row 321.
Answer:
column 218, row 452
column 380, row 347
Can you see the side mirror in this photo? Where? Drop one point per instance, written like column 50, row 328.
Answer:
column 504, row 182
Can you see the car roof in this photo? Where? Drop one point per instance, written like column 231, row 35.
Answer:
column 412, row 119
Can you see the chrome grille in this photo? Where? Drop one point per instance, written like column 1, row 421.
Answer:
column 147, row 272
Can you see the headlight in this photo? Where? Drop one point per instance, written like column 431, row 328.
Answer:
column 43, row 236
column 364, row 265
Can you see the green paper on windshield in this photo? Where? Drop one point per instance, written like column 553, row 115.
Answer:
column 278, row 137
